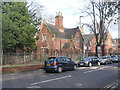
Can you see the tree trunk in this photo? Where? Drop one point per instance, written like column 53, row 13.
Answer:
column 103, row 46
column 96, row 51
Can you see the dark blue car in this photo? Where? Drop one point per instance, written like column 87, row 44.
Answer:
column 59, row 64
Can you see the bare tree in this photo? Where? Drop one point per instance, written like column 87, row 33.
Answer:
column 102, row 14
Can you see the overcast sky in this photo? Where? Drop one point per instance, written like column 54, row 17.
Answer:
column 70, row 10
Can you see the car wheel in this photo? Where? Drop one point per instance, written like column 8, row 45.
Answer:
column 75, row 67
column 111, row 62
column 98, row 63
column 59, row 69
column 90, row 64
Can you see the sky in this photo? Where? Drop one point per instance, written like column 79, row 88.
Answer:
column 71, row 12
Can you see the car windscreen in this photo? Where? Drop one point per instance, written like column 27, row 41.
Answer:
column 102, row 57
column 86, row 59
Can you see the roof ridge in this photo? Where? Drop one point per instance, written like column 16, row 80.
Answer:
column 71, row 28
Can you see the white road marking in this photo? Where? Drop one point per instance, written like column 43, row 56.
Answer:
column 51, row 80
column 87, row 67
column 79, row 84
column 34, row 87
column 115, row 67
column 93, row 67
column 96, row 69
column 81, row 67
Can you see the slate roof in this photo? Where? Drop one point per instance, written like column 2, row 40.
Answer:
column 88, row 37
column 67, row 34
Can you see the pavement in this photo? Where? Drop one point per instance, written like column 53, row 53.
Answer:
column 102, row 77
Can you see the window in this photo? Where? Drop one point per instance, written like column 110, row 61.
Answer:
column 113, row 41
column 113, row 46
column 62, row 59
column 44, row 37
column 85, row 47
column 89, row 47
column 95, row 43
column 58, row 59
column 67, row 59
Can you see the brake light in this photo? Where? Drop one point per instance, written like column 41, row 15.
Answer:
column 55, row 63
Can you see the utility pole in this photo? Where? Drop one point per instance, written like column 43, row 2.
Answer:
column 80, row 40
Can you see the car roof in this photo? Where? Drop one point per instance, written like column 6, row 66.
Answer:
column 58, row 57
column 91, row 57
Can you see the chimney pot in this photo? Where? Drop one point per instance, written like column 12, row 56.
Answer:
column 90, row 32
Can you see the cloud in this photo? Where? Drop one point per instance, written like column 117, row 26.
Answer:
column 71, row 12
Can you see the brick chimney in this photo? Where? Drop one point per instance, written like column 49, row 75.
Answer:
column 82, row 30
column 59, row 21
column 90, row 32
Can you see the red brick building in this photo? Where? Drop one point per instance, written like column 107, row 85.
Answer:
column 116, row 45
column 90, row 44
column 54, row 39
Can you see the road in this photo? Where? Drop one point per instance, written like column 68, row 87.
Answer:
column 104, row 76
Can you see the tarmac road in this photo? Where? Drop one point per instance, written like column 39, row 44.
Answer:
column 102, row 77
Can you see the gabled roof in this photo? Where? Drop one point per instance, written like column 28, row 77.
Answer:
column 67, row 34
column 88, row 37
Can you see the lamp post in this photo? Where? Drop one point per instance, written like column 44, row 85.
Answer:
column 80, row 39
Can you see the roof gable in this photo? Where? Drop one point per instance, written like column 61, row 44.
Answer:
column 67, row 34
column 88, row 37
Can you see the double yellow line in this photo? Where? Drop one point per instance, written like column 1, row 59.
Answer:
column 107, row 87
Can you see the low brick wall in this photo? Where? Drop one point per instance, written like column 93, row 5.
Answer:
column 20, row 68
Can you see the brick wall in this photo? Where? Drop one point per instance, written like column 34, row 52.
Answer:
column 20, row 68
column 48, row 43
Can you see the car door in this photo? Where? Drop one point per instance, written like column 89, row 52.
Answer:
column 71, row 63
column 94, row 60
column 107, row 59
column 68, row 63
column 65, row 64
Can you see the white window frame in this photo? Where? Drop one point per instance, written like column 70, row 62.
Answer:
column 43, row 38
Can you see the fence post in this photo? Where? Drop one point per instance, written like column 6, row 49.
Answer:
column 24, row 57
column 1, row 58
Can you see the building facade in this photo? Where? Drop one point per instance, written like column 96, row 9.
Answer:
column 90, row 44
column 55, row 39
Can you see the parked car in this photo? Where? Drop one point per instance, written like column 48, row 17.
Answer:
column 105, row 59
column 59, row 64
column 115, row 58
column 89, row 61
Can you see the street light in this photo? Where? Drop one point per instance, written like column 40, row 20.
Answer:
column 80, row 38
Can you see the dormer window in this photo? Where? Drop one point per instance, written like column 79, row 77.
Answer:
column 44, row 37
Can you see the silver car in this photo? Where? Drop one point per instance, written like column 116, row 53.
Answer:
column 114, row 58
column 105, row 59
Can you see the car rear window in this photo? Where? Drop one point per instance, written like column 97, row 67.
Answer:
column 51, row 59
column 113, row 56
